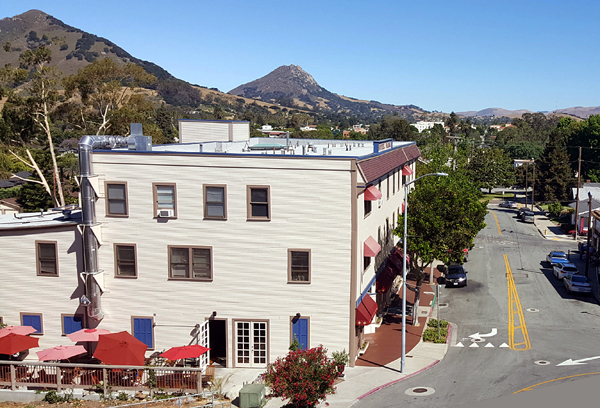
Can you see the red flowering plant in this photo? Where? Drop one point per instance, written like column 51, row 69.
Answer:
column 304, row 376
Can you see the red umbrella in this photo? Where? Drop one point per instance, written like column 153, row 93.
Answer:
column 120, row 349
column 87, row 334
column 23, row 330
column 60, row 352
column 14, row 343
column 192, row 351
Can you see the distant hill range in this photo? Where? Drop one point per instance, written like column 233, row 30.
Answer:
column 290, row 85
column 287, row 86
column 577, row 112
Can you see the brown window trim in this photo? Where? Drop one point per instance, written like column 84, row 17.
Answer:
column 249, row 203
column 289, row 274
column 224, row 187
column 116, row 253
column 37, row 258
column 62, row 320
column 155, row 198
column 116, row 215
column 189, row 248
column 41, row 315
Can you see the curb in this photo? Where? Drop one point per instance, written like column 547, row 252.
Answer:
column 398, row 380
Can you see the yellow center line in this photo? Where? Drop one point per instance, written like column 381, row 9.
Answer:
column 497, row 224
column 556, row 379
column 514, row 308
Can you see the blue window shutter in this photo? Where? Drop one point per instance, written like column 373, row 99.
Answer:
column 300, row 330
column 33, row 321
column 72, row 324
column 142, row 330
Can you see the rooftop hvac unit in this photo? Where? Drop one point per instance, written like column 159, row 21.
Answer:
column 165, row 213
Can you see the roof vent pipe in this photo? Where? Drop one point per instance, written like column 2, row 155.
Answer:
column 88, row 209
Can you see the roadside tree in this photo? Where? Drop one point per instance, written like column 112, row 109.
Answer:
column 490, row 168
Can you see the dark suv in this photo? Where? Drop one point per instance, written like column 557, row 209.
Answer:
column 456, row 276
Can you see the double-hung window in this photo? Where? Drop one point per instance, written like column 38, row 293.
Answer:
column 190, row 263
column 116, row 199
column 47, row 258
column 258, row 203
column 125, row 261
column 215, row 202
column 165, row 200
column 299, row 265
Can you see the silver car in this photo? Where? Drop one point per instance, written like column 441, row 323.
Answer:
column 577, row 283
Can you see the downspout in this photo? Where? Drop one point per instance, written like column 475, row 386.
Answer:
column 92, row 293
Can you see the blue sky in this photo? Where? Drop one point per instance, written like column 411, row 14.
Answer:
column 444, row 55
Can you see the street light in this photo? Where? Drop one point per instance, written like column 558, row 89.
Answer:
column 403, row 362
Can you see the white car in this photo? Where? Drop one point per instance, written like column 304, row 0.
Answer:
column 577, row 283
column 564, row 269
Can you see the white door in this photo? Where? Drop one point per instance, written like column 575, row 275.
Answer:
column 204, row 340
column 251, row 344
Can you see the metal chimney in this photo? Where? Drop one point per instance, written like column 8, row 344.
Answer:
column 91, row 298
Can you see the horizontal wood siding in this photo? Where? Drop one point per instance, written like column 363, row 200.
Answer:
column 241, row 131
column 310, row 208
column 22, row 290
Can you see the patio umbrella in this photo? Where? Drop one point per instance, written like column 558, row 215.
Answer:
column 120, row 349
column 60, row 352
column 192, row 351
column 87, row 334
column 14, row 343
column 23, row 330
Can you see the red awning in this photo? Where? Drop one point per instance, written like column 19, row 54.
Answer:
column 365, row 311
column 407, row 171
column 372, row 193
column 385, row 279
column 396, row 258
column 371, row 247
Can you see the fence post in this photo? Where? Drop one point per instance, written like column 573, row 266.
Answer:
column 199, row 382
column 58, row 379
column 104, row 381
column 13, row 378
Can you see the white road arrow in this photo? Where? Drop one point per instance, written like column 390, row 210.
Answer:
column 480, row 336
column 577, row 362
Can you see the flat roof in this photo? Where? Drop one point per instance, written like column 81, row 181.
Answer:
column 39, row 219
column 281, row 146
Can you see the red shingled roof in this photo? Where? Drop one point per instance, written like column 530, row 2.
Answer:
column 375, row 167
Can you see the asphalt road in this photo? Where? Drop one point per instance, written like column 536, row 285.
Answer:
column 526, row 321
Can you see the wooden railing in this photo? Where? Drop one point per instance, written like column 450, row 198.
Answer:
column 100, row 378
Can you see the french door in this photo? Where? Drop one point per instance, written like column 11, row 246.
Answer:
column 251, row 344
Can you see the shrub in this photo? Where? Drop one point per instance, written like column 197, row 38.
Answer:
column 555, row 208
column 304, row 376
column 434, row 323
column 341, row 357
column 431, row 335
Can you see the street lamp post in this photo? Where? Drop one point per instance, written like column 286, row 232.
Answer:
column 403, row 360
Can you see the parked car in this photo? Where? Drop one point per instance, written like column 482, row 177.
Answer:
column 456, row 276
column 522, row 210
column 577, row 283
column 508, row 204
column 565, row 269
column 556, row 257
column 528, row 216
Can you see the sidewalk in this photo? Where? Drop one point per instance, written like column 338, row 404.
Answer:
column 379, row 366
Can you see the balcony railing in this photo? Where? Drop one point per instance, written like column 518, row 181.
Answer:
column 100, row 378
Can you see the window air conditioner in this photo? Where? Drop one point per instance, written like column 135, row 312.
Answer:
column 166, row 213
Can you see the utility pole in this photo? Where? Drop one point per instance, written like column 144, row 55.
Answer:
column 577, row 198
column 587, row 249
column 526, row 172
column 533, row 188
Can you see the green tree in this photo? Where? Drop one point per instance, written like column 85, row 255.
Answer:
column 104, row 86
column 555, row 177
column 490, row 168
column 444, row 216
